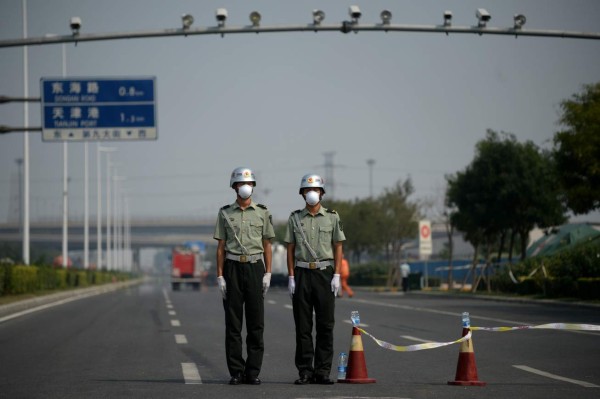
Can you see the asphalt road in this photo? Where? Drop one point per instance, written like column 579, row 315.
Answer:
column 148, row 342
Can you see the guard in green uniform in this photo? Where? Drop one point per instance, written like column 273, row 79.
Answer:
column 314, row 238
column 244, row 231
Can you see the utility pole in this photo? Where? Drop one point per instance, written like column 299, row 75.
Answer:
column 329, row 179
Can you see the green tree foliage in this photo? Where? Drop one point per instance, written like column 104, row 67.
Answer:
column 508, row 188
column 577, row 150
column 378, row 225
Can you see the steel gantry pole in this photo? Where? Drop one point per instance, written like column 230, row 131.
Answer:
column 343, row 26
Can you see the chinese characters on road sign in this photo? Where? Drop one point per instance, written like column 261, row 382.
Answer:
column 98, row 109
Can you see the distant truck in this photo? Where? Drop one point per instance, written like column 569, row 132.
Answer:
column 186, row 268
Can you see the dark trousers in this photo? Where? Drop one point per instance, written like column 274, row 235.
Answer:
column 244, row 292
column 313, row 292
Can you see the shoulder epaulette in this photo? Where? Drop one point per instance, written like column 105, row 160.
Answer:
column 226, row 206
column 297, row 211
column 331, row 211
column 261, row 206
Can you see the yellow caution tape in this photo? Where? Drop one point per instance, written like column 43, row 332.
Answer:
column 417, row 347
column 550, row 326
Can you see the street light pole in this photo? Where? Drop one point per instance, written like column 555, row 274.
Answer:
column 108, row 215
column 25, row 142
column 99, row 151
column 65, row 234
column 86, row 211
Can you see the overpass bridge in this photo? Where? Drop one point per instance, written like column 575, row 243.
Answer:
column 164, row 232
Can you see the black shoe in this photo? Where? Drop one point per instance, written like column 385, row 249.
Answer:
column 252, row 381
column 236, row 379
column 322, row 380
column 303, row 380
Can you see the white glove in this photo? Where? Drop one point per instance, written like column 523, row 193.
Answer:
column 222, row 286
column 266, row 283
column 292, row 286
column 335, row 284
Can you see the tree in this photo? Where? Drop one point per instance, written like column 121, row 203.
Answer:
column 577, row 150
column 507, row 188
column 384, row 223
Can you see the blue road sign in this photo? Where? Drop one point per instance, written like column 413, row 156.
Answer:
column 98, row 109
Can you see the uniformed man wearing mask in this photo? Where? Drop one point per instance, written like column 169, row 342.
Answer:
column 314, row 238
column 244, row 231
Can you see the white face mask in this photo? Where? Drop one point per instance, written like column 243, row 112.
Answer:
column 312, row 198
column 245, row 191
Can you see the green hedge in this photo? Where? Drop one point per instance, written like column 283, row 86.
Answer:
column 21, row 279
column 589, row 288
column 574, row 273
column 369, row 274
column 3, row 273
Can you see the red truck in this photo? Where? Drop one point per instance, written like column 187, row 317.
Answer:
column 186, row 268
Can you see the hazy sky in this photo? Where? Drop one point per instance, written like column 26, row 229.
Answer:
column 415, row 103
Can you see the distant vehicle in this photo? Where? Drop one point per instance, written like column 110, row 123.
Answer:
column 186, row 268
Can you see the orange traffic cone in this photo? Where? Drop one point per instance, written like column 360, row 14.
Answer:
column 466, row 370
column 357, row 367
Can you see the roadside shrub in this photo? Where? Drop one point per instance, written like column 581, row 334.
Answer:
column 61, row 278
column 589, row 288
column 82, row 278
column 369, row 274
column 3, row 278
column 23, row 279
column 47, row 278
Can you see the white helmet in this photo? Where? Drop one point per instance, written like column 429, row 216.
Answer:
column 242, row 174
column 312, row 181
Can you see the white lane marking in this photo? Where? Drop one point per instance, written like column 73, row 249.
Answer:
column 427, row 310
column 418, row 309
column 271, row 302
column 288, row 306
column 175, row 323
column 172, row 313
column 190, row 373
column 410, row 338
column 556, row 377
column 169, row 306
column 180, row 339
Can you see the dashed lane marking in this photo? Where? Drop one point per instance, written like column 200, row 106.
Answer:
column 556, row 377
column 180, row 339
column 172, row 313
column 175, row 323
column 190, row 373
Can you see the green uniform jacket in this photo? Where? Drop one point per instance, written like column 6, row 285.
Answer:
column 321, row 231
column 252, row 226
